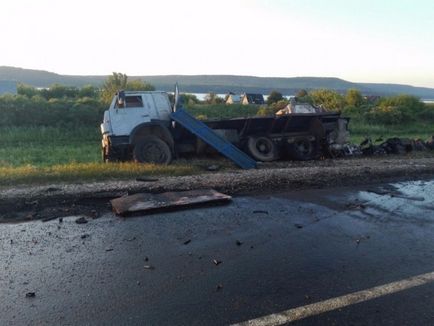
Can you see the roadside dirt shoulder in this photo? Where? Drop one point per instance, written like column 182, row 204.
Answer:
column 29, row 202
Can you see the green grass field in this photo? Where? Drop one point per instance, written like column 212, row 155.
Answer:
column 413, row 131
column 50, row 154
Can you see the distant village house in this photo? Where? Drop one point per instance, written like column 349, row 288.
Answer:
column 245, row 99
column 232, row 98
column 252, row 99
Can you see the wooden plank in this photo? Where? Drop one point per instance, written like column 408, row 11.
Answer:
column 144, row 202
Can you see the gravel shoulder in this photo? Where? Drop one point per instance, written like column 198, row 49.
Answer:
column 43, row 202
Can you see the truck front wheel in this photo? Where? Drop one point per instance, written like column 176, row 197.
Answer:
column 152, row 149
column 262, row 149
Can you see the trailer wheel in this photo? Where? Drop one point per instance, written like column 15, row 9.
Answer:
column 262, row 149
column 152, row 149
column 303, row 149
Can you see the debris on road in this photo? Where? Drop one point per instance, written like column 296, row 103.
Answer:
column 260, row 212
column 219, row 287
column 217, row 262
column 84, row 236
column 355, row 206
column 149, row 267
column 239, row 243
column 298, row 226
column 146, row 179
column 186, row 242
column 213, row 168
column 109, row 249
column 81, row 220
column 30, row 294
column 143, row 202
column 94, row 214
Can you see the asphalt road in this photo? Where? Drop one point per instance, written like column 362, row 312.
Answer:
column 254, row 257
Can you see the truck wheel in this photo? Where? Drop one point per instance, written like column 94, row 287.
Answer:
column 262, row 148
column 303, row 149
column 152, row 149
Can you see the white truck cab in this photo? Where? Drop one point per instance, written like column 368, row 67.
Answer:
column 132, row 119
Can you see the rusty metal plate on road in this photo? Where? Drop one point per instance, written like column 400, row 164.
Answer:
column 147, row 202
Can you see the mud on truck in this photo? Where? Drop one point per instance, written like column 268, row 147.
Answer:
column 145, row 127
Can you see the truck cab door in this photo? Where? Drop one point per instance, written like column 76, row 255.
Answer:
column 126, row 116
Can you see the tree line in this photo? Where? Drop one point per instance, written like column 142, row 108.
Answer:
column 61, row 105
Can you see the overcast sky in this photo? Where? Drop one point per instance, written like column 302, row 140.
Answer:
column 360, row 41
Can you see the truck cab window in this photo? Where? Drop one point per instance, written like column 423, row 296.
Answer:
column 131, row 101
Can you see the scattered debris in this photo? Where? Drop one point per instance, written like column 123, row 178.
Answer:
column 148, row 202
column 298, row 226
column 354, row 206
column 52, row 189
column 213, row 168
column 358, row 240
column 94, row 214
column 186, row 242
column 219, row 287
column 60, row 219
column 33, row 203
column 260, row 212
column 81, row 220
column 30, row 294
column 149, row 267
column 49, row 218
column 109, row 249
column 393, row 145
column 84, row 236
column 130, row 239
column 239, row 243
column 146, row 179
column 146, row 258
column 217, row 262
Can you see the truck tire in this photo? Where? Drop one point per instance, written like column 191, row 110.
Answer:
column 303, row 149
column 151, row 149
column 262, row 149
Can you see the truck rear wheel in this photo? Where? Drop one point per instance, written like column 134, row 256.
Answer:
column 152, row 149
column 303, row 149
column 262, row 149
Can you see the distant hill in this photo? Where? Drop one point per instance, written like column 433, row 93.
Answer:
column 218, row 83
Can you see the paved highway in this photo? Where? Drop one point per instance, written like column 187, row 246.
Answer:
column 343, row 256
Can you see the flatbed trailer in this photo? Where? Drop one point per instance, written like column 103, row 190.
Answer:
column 302, row 136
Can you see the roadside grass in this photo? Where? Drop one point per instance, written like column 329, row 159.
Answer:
column 414, row 130
column 38, row 155
column 88, row 172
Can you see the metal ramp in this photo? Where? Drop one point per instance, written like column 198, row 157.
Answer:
column 208, row 135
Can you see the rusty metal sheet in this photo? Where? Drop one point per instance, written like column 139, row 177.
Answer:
column 144, row 202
